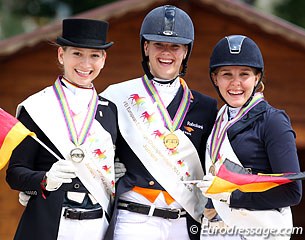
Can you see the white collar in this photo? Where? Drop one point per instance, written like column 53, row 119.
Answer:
column 232, row 112
column 159, row 83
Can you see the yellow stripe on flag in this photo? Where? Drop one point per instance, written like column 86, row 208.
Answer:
column 220, row 185
column 15, row 136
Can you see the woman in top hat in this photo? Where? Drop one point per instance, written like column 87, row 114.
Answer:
column 163, row 131
column 71, row 184
column 255, row 135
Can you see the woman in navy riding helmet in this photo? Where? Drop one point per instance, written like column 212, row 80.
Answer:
column 253, row 134
column 164, row 127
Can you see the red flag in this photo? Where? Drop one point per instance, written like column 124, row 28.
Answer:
column 232, row 176
column 12, row 132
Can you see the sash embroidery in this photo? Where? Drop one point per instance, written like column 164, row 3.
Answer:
column 151, row 131
column 172, row 124
column 87, row 171
column 143, row 129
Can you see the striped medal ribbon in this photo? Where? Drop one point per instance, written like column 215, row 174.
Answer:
column 170, row 141
column 78, row 138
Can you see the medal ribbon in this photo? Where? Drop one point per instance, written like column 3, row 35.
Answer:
column 183, row 107
column 218, row 134
column 77, row 138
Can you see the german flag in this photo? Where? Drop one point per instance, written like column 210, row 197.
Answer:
column 232, row 176
column 12, row 132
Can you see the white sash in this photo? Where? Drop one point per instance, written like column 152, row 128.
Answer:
column 243, row 218
column 143, row 129
column 96, row 171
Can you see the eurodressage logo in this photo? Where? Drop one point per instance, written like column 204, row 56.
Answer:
column 219, row 229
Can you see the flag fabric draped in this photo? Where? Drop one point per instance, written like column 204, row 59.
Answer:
column 232, row 176
column 12, row 132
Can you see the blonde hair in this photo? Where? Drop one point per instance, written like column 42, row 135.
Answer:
column 260, row 87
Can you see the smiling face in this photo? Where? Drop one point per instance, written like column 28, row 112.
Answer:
column 165, row 59
column 235, row 83
column 81, row 65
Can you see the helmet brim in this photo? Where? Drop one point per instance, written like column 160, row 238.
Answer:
column 214, row 66
column 169, row 39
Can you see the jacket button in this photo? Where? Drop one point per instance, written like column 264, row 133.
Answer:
column 76, row 186
column 151, row 183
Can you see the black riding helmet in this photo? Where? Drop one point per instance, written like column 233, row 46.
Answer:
column 167, row 24
column 236, row 50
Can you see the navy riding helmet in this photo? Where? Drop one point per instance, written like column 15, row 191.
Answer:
column 167, row 24
column 237, row 50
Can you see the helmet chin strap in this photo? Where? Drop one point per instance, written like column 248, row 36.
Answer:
column 254, row 91
column 165, row 82
column 146, row 69
column 184, row 67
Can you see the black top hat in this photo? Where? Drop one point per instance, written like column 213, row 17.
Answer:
column 84, row 33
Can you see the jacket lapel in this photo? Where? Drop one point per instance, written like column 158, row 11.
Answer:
column 247, row 120
column 174, row 105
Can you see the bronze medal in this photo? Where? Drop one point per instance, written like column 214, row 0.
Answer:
column 77, row 155
column 212, row 170
column 171, row 141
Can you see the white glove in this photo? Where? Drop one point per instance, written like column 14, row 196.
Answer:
column 24, row 198
column 119, row 169
column 61, row 172
column 204, row 186
column 205, row 183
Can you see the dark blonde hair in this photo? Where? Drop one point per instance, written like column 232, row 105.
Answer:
column 261, row 86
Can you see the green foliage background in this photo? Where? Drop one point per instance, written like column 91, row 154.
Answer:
column 19, row 16
column 292, row 10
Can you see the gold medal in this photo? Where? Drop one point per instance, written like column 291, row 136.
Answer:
column 77, row 155
column 171, row 141
column 212, row 170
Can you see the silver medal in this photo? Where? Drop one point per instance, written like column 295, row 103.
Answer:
column 77, row 155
